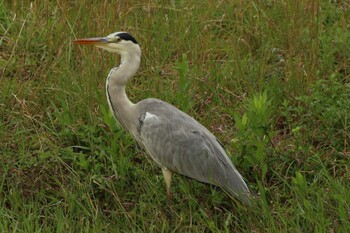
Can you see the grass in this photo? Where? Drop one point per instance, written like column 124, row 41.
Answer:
column 269, row 78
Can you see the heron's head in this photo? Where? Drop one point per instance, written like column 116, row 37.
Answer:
column 118, row 42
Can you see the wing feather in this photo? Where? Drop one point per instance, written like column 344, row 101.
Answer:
column 178, row 142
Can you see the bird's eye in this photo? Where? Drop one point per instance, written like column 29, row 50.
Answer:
column 117, row 39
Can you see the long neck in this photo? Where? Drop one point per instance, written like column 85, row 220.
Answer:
column 117, row 79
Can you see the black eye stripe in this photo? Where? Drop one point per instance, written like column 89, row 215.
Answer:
column 126, row 36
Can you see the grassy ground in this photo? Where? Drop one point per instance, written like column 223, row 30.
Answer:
column 269, row 78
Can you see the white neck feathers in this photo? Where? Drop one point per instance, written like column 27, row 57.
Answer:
column 117, row 79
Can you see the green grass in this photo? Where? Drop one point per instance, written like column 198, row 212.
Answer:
column 270, row 79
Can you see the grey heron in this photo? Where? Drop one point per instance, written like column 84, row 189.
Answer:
column 174, row 140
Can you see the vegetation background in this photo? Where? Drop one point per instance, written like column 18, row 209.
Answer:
column 269, row 78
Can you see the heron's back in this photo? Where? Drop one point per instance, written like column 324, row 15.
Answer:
column 180, row 143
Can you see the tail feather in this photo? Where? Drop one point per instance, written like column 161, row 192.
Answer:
column 237, row 187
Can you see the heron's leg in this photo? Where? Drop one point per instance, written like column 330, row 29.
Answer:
column 167, row 177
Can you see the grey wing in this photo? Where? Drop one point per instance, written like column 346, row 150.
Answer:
column 178, row 142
